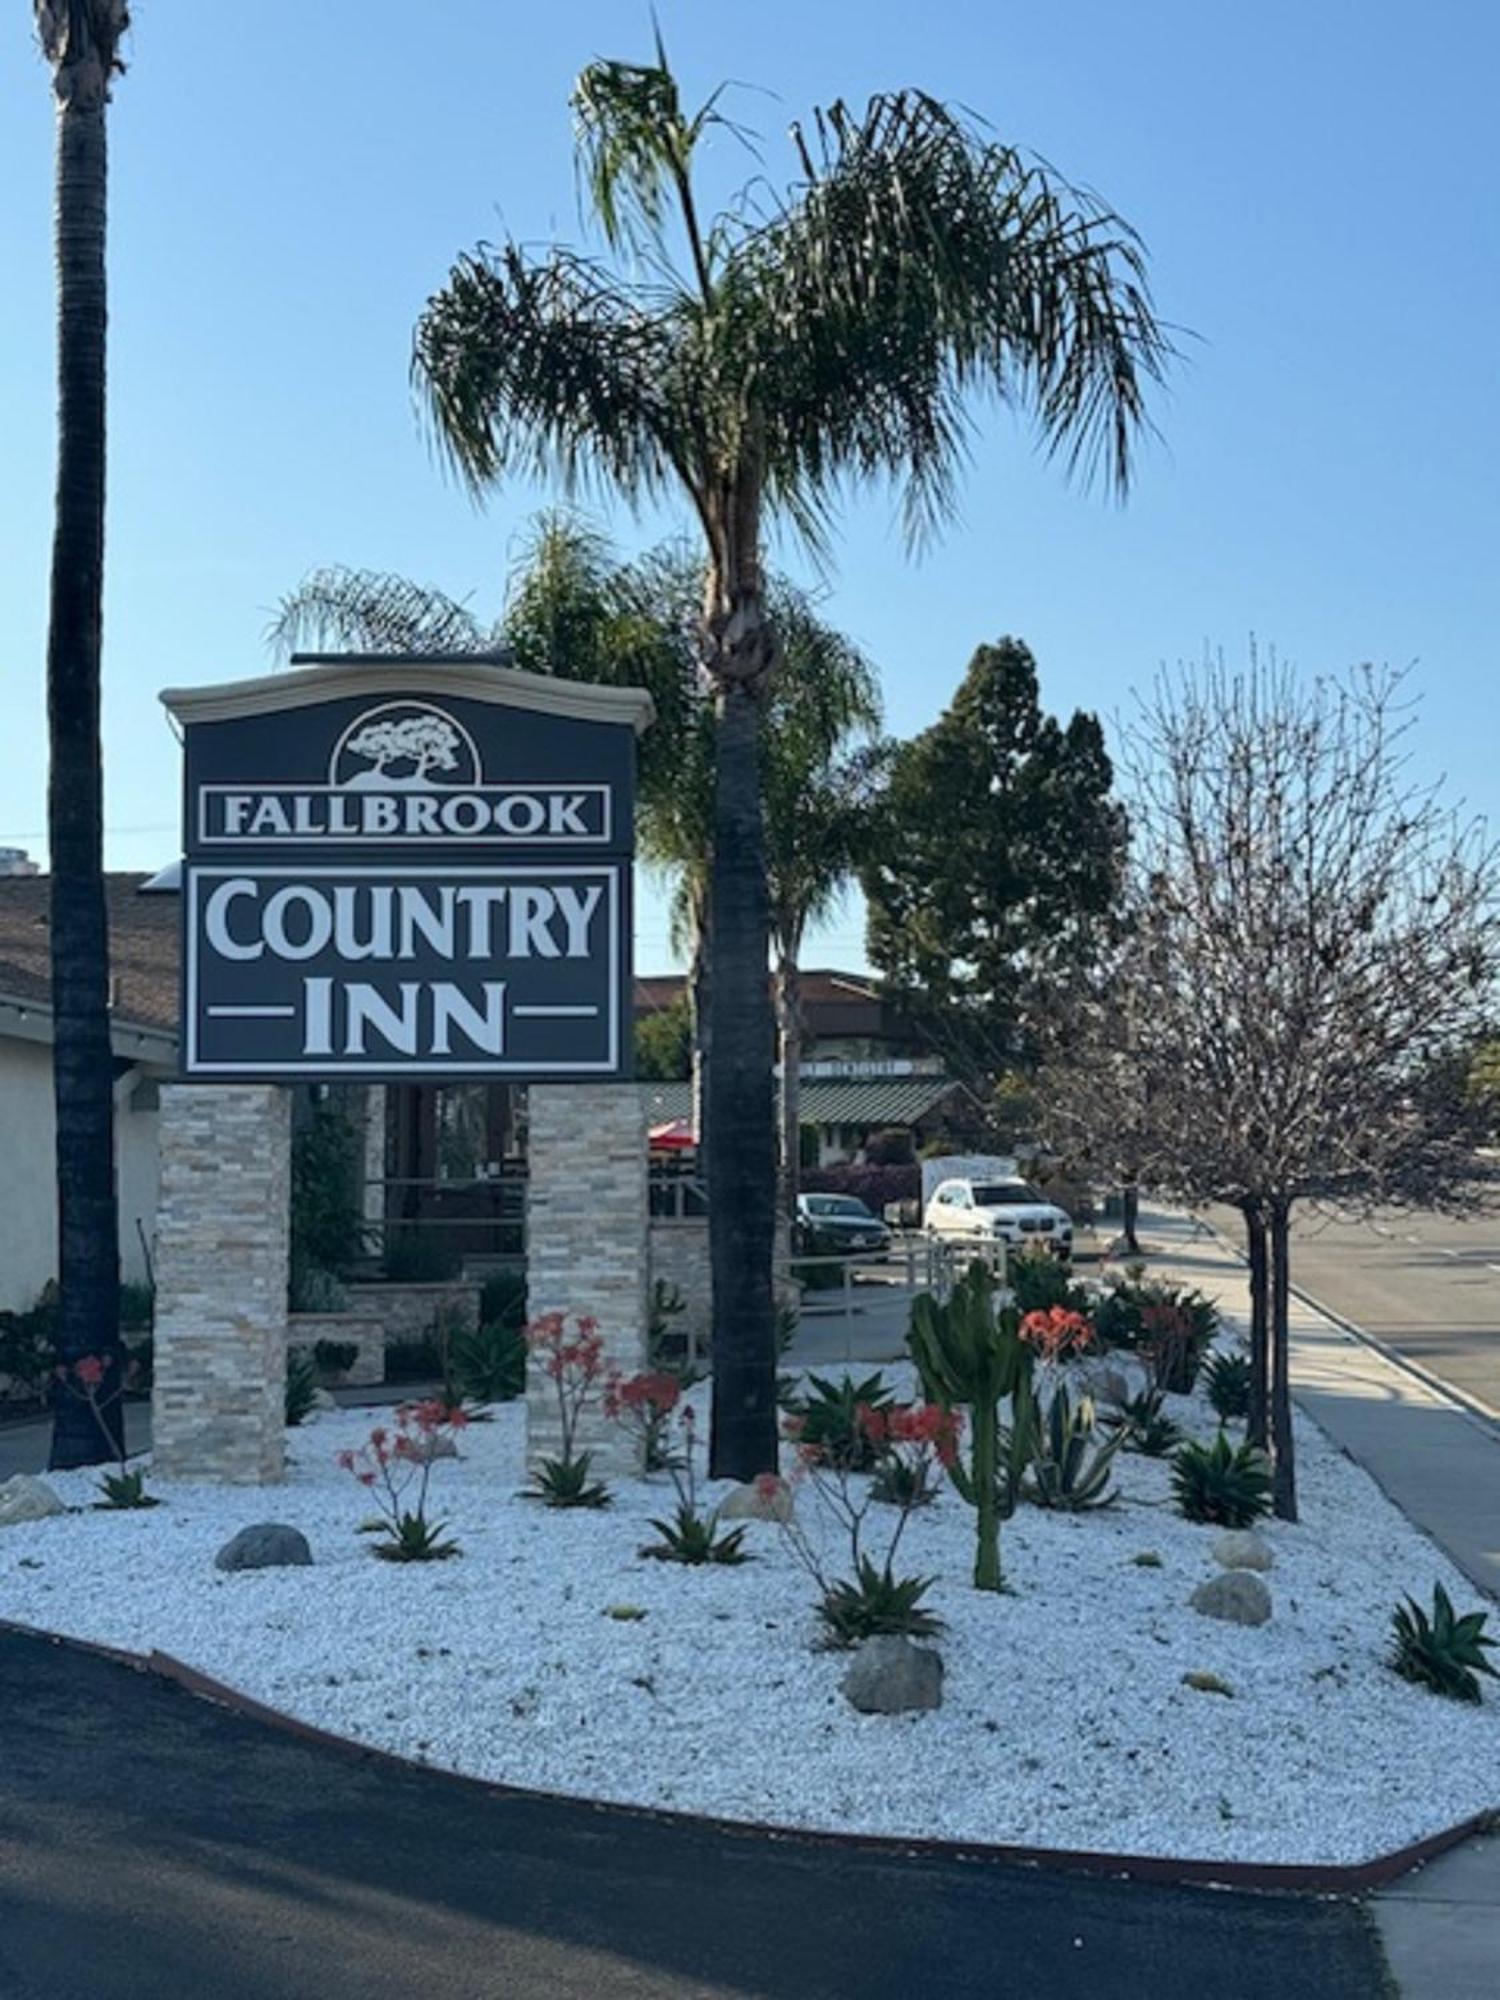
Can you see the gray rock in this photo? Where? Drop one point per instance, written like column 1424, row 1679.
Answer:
column 758, row 1500
column 1242, row 1548
column 1238, row 1597
column 890, row 1675
column 437, row 1444
column 27, row 1499
column 265, row 1545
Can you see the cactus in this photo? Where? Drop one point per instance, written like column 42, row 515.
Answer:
column 969, row 1351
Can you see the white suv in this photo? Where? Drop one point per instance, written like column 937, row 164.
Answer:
column 1010, row 1210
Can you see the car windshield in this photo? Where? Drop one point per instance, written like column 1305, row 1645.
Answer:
column 837, row 1204
column 1004, row 1194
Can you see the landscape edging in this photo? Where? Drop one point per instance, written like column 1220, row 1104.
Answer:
column 1326, row 1878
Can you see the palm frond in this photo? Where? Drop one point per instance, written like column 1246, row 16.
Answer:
column 372, row 611
column 547, row 367
column 917, row 263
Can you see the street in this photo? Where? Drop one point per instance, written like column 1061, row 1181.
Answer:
column 1424, row 1285
column 156, row 1847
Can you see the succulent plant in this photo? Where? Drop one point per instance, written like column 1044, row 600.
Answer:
column 1226, row 1484
column 1069, row 1471
column 1444, row 1652
column 968, row 1351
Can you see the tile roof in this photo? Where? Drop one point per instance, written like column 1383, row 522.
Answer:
column 896, row 1100
column 143, row 947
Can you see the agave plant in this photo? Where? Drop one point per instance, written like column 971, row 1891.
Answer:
column 969, row 1351
column 1444, row 1652
column 1225, row 1484
column 1069, row 1471
column 1226, row 1377
column 694, row 1538
column 1143, row 1425
column 873, row 1602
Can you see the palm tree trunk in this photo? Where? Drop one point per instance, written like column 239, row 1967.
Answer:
column 700, row 982
column 1284, row 1485
column 83, row 1067
column 741, row 1135
column 789, row 1032
column 1257, row 1426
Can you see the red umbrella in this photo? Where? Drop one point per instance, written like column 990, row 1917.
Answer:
column 674, row 1136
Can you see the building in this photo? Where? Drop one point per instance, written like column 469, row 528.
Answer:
column 143, row 1008
column 865, row 1068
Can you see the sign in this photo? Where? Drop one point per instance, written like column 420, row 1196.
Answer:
column 407, row 870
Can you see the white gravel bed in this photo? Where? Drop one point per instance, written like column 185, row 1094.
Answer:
column 1065, row 1721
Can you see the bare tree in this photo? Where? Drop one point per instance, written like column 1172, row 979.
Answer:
column 1310, row 958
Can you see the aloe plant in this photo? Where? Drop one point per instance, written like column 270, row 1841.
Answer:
column 968, row 1351
column 1068, row 1470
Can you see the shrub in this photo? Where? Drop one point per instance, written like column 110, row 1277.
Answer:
column 1143, row 1425
column 1068, row 1471
column 970, row 1352
column 828, row 1420
column 335, row 1357
column 1168, row 1325
column 137, row 1303
column 1225, row 1484
column 313, row 1289
column 502, row 1299
column 28, row 1345
column 301, row 1386
column 1039, row 1281
column 892, row 1146
column 487, row 1363
column 396, row 1468
column 1444, row 1652
column 873, row 1602
column 1226, row 1377
column 326, row 1219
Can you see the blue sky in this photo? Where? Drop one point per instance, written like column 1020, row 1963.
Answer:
column 1316, row 186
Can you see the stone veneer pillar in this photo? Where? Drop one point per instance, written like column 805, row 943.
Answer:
column 223, row 1223
column 587, row 1206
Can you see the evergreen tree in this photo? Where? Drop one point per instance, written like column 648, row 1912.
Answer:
column 995, row 863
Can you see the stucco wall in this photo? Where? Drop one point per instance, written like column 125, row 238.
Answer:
column 28, row 1214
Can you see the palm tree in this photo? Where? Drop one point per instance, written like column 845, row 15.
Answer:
column 824, row 699
column 81, row 39
column 756, row 363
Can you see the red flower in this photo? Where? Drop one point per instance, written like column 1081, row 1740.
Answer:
column 90, row 1371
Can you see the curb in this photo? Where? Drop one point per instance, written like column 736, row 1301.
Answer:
column 1346, row 1879
column 1483, row 1414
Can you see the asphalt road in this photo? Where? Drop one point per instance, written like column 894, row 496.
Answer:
column 1426, row 1286
column 155, row 1847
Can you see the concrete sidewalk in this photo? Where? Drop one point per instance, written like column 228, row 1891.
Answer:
column 1440, row 1463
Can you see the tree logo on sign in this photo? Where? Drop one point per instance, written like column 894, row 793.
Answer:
column 404, row 746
